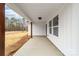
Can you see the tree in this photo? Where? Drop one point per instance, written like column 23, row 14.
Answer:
column 14, row 24
column 6, row 23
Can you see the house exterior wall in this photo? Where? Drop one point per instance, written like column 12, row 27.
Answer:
column 39, row 29
column 75, row 27
column 29, row 29
column 67, row 41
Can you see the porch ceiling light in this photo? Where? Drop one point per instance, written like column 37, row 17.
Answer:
column 40, row 18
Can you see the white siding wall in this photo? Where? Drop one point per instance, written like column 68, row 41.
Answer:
column 67, row 41
column 75, row 27
column 39, row 29
column 29, row 28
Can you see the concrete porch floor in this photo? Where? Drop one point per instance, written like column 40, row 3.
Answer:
column 38, row 46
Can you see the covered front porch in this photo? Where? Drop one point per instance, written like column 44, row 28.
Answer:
column 58, row 22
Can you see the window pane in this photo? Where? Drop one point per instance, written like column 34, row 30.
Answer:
column 50, row 23
column 50, row 30
column 55, row 31
column 55, row 21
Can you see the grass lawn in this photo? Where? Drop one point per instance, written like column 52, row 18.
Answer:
column 14, row 40
column 12, row 37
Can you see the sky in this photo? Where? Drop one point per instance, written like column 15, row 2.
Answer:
column 10, row 13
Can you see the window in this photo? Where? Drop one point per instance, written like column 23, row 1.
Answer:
column 55, row 26
column 50, row 27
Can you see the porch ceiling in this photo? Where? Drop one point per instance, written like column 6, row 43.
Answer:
column 35, row 10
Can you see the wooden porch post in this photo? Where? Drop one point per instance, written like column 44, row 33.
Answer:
column 31, row 29
column 2, row 29
column 46, row 30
